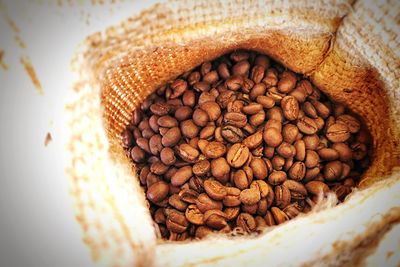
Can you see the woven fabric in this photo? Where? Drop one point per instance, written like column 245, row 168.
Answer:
column 351, row 51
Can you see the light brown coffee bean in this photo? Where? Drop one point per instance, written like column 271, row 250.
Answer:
column 235, row 119
column 231, row 213
column 158, row 168
column 207, row 132
column 333, row 170
column 360, row 150
column 171, row 137
column 250, row 196
column 265, row 101
column 188, row 153
column 300, row 147
column 279, row 216
column 214, row 189
column 177, row 223
column 246, row 222
column 351, row 122
column 317, row 187
column 188, row 195
column 344, row 151
column 286, row 150
column 204, row 203
column 213, row 110
column 201, row 167
column 241, row 68
column 275, row 113
column 189, row 129
column 237, row 155
column 157, row 191
column 243, row 179
column 258, row 89
column 311, row 141
column 181, row 176
column 278, row 162
column 259, row 168
column 312, row 159
column 183, row 113
column 215, row 219
column 297, row 171
column 338, row 133
column 200, row 117
column 155, row 144
column 254, row 140
column 272, row 137
column 328, row 154
column 194, row 215
column 262, row 187
column 232, row 134
column 257, row 73
column 282, row 196
column 220, row 169
column 341, row 191
column 290, row 107
column 292, row 210
column 290, row 133
column 160, row 109
column 297, row 189
column 196, row 184
column 252, row 108
column 307, row 125
column 176, row 202
column 234, row 83
column 311, row 173
column 269, row 219
column 137, row 154
column 287, row 82
column 167, row 121
column 232, row 198
column 214, row 150
column 277, row 177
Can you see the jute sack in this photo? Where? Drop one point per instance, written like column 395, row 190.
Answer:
column 349, row 50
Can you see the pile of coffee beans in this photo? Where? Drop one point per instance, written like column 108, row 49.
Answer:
column 240, row 144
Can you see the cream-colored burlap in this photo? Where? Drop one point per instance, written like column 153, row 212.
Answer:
column 350, row 50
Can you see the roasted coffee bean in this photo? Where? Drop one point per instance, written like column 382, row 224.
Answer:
column 202, row 167
column 237, row 155
column 297, row 171
column 253, row 140
column 279, row 215
column 181, row 176
column 188, row 153
column 157, row 191
column 232, row 134
column 198, row 142
column 235, row 119
column 246, row 222
column 259, row 167
column 214, row 189
column 220, row 169
column 307, row 125
column 290, row 107
column 204, row 203
column 272, row 137
column 177, row 223
column 338, row 133
column 214, row 150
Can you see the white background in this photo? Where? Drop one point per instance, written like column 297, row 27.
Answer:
column 37, row 225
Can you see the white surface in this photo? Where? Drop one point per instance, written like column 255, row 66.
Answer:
column 37, row 225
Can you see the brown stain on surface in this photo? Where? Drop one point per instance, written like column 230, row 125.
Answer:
column 32, row 74
column 48, row 139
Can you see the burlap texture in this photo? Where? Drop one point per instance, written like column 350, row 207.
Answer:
column 350, row 50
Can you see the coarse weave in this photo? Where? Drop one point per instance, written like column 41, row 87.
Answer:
column 350, row 50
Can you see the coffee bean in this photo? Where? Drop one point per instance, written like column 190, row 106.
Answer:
column 352, row 123
column 265, row 101
column 290, row 133
column 279, row 216
column 201, row 168
column 194, row 215
column 137, row 154
column 250, row 196
column 286, row 150
column 253, row 140
column 290, row 107
column 189, row 129
column 214, row 189
column 232, row 198
column 196, row 184
column 176, row 202
column 241, row 68
column 262, row 187
column 258, row 89
column 127, row 138
column 204, row 203
column 338, row 133
column 207, row 132
column 237, row 155
column 287, row 82
column 220, row 169
column 277, row 177
column 252, row 108
column 269, row 219
column 312, row 159
column 243, row 179
column 157, row 191
column 188, row 153
column 172, row 137
column 333, row 170
column 257, row 73
column 317, row 187
column 292, row 210
column 297, row 189
column 177, row 223
column 188, row 195
column 344, row 151
column 307, row 125
column 181, row 176
column 213, row 110
column 215, row 219
column 158, row 168
column 160, row 109
column 203, row 231
column 246, row 222
column 297, row 171
column 232, row 134
column 277, row 162
column 235, row 119
column 259, row 168
column 328, row 154
column 214, row 150
column 272, row 137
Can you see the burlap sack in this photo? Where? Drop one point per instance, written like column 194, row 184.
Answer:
column 350, row 50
